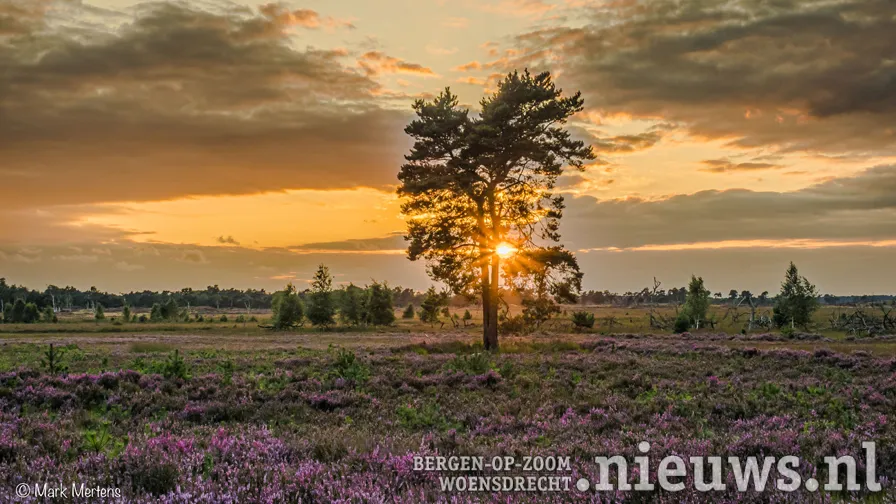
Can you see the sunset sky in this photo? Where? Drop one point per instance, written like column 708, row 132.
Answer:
column 161, row 145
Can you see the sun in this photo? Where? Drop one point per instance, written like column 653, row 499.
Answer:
column 505, row 250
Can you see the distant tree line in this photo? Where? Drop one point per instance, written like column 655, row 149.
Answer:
column 678, row 295
column 70, row 298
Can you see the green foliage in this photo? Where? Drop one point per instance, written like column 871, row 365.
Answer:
column 796, row 302
column 380, row 311
column 169, row 309
column 321, row 306
column 166, row 311
column 475, row 363
column 175, row 367
column 100, row 440
column 287, row 308
column 18, row 312
column 467, row 317
column 126, row 313
column 21, row 312
column 222, row 318
column 48, row 315
column 32, row 313
column 432, row 304
column 539, row 310
column 582, row 319
column 682, row 323
column 427, row 417
column 697, row 301
column 408, row 312
column 516, row 324
column 98, row 312
column 346, row 365
column 155, row 314
column 226, row 368
column 52, row 360
column 351, row 305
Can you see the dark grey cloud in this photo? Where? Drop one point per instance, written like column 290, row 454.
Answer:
column 227, row 240
column 395, row 241
column 185, row 101
column 798, row 74
column 862, row 207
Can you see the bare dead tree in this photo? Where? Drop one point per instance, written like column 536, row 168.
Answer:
column 657, row 320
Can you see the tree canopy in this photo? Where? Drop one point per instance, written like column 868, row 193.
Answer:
column 474, row 187
column 796, row 302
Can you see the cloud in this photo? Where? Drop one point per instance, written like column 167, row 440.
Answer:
column 184, row 101
column 800, row 75
column 521, row 8
column 281, row 17
column 194, row 256
column 622, row 144
column 126, row 266
column 726, row 166
column 466, row 67
column 80, row 258
column 471, row 80
column 456, row 22
column 392, row 243
column 376, row 63
column 227, row 240
column 856, row 208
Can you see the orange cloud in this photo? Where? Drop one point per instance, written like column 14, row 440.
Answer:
column 306, row 18
column 473, row 65
column 471, row 80
column 376, row 62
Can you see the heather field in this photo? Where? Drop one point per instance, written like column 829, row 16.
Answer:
column 339, row 417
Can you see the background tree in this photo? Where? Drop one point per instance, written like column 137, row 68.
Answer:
column 351, row 305
column 98, row 312
column 47, row 315
column 475, row 189
column 796, row 302
column 432, row 304
column 321, row 307
column 126, row 313
column 696, row 303
column 17, row 315
column 286, row 308
column 380, row 311
column 31, row 314
column 408, row 312
column 169, row 309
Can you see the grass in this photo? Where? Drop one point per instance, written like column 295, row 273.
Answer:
column 609, row 320
column 151, row 347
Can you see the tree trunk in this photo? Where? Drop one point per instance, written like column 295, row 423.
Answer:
column 483, row 279
column 491, row 333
